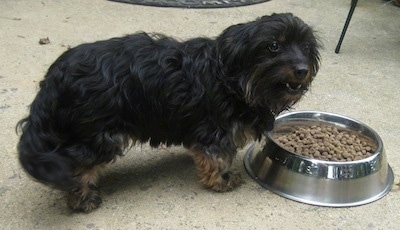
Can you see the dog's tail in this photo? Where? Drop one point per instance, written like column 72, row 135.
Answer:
column 40, row 156
column 40, row 147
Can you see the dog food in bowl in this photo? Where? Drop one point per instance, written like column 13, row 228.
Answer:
column 327, row 143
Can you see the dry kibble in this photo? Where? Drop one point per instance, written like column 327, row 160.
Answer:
column 327, row 143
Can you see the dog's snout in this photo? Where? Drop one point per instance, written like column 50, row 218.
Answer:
column 300, row 71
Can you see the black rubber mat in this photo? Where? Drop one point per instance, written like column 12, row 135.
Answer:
column 193, row 3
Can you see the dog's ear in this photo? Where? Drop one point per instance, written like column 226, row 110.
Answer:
column 239, row 45
column 233, row 47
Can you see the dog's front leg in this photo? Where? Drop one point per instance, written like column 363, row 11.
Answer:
column 214, row 170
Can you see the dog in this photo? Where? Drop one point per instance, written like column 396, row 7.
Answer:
column 212, row 96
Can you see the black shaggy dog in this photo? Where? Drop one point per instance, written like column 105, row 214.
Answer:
column 210, row 95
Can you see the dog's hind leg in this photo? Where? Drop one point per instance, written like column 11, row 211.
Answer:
column 93, row 158
column 86, row 197
column 214, row 171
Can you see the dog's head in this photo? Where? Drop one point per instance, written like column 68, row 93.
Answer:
column 270, row 62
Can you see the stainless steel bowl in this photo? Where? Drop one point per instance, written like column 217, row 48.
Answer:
column 319, row 182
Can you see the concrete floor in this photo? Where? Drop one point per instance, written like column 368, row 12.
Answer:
column 151, row 189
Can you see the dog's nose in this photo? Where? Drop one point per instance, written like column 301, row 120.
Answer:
column 300, row 71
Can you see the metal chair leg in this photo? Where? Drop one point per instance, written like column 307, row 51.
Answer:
column 352, row 7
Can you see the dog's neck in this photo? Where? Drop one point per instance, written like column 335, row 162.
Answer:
column 260, row 118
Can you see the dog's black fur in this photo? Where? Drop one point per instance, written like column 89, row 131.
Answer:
column 209, row 95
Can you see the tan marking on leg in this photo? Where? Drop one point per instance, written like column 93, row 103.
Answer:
column 91, row 176
column 214, row 172
column 86, row 198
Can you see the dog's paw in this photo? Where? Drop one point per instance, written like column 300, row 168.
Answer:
column 228, row 182
column 83, row 202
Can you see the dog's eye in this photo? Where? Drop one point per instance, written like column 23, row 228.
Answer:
column 274, row 47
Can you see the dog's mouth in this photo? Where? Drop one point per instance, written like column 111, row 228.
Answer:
column 295, row 88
